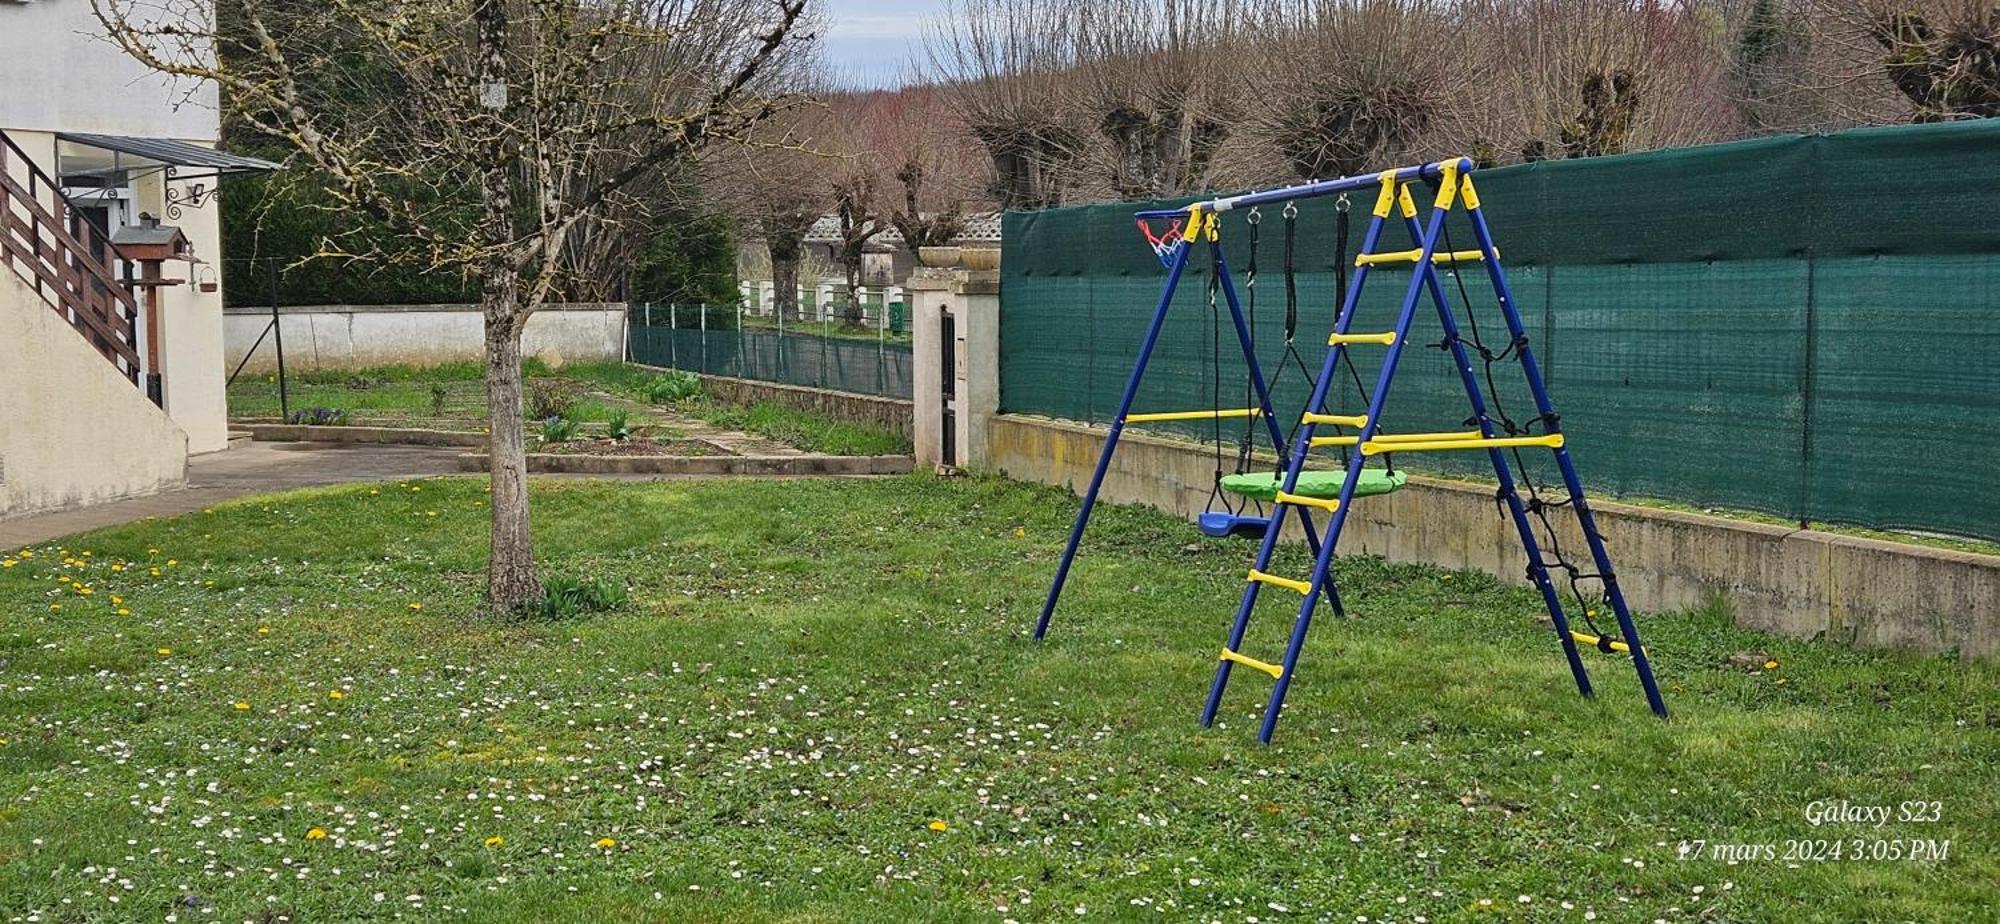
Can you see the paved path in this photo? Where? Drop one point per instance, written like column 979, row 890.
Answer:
column 256, row 468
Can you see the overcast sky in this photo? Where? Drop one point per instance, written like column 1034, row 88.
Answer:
column 872, row 43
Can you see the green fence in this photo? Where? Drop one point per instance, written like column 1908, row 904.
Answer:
column 1804, row 326
column 868, row 355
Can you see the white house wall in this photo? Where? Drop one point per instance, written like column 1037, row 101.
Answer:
column 60, row 74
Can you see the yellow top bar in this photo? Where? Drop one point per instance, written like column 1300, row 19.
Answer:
column 1384, row 339
column 1333, row 441
column 1412, row 256
column 1427, row 437
column 1377, row 446
column 1342, row 420
column 1195, row 415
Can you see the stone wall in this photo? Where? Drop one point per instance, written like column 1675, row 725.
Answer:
column 892, row 414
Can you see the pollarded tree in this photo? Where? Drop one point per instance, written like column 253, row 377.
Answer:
column 482, row 134
column 1008, row 67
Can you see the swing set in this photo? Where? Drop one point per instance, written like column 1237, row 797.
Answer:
column 1248, row 503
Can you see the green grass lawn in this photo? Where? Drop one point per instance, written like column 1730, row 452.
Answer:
column 452, row 397
column 822, row 705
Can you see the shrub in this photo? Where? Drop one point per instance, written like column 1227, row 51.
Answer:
column 558, row 430
column 550, row 398
column 318, row 417
column 566, row 597
column 439, row 394
column 673, row 388
column 616, row 425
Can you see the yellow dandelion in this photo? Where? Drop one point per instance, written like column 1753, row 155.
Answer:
column 938, row 824
column 27, row 553
column 430, row 513
column 1020, row 531
column 242, row 706
column 172, row 562
column 122, row 611
column 153, row 571
column 495, row 841
column 1770, row 665
column 8, row 563
column 316, row 834
column 416, row 606
column 335, row 694
column 165, row 652
column 605, row 843
column 1781, row 681
column 117, row 600
column 152, row 551
column 372, row 492
column 54, row 607
column 117, row 567
column 263, row 630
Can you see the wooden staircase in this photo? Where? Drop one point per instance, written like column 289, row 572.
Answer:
column 68, row 262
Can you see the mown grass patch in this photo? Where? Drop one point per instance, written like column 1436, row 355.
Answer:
column 819, row 702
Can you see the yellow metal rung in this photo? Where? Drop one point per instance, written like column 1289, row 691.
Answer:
column 1343, row 420
column 1377, row 446
column 1412, row 256
column 1385, row 338
column 1427, row 437
column 1274, row 670
column 1195, row 415
column 1328, row 504
column 1276, row 581
column 1335, row 440
column 1585, row 638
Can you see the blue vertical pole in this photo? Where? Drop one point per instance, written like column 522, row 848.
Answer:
column 1571, row 482
column 1537, row 571
column 1117, row 428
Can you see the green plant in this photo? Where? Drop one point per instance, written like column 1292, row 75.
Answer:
column 565, row 597
column 558, row 430
column 439, row 394
column 318, row 417
column 616, row 425
column 673, row 387
column 550, row 398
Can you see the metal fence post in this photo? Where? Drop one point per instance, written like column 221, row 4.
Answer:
column 882, row 345
column 825, row 331
column 703, row 320
column 673, row 335
column 739, row 339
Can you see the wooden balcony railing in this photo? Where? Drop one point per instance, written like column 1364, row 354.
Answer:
column 67, row 260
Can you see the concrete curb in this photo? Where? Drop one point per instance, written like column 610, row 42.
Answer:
column 302, row 433
column 555, row 463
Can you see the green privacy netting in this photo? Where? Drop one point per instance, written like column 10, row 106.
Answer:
column 861, row 365
column 1802, row 325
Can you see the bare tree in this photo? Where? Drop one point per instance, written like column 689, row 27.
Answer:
column 857, row 221
column 519, row 120
column 773, row 183
column 1150, row 77
column 1941, row 58
column 1354, row 84
column 1586, row 77
column 1004, row 65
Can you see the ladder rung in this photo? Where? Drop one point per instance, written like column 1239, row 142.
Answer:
column 1585, row 638
column 1267, row 667
column 1343, row 420
column 1328, row 504
column 1412, row 256
column 1385, row 338
column 1378, row 446
column 1195, row 415
column 1427, row 437
column 1299, row 587
column 1334, row 440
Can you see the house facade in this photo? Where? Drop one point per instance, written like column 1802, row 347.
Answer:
column 111, row 331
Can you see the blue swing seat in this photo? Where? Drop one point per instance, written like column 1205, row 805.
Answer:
column 1222, row 524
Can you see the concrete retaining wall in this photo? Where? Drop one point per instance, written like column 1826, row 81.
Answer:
column 1798, row 583
column 892, row 414
column 356, row 336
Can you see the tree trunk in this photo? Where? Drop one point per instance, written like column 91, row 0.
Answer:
column 510, row 571
column 785, row 279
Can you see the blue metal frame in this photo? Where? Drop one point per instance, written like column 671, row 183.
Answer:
column 1423, row 281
